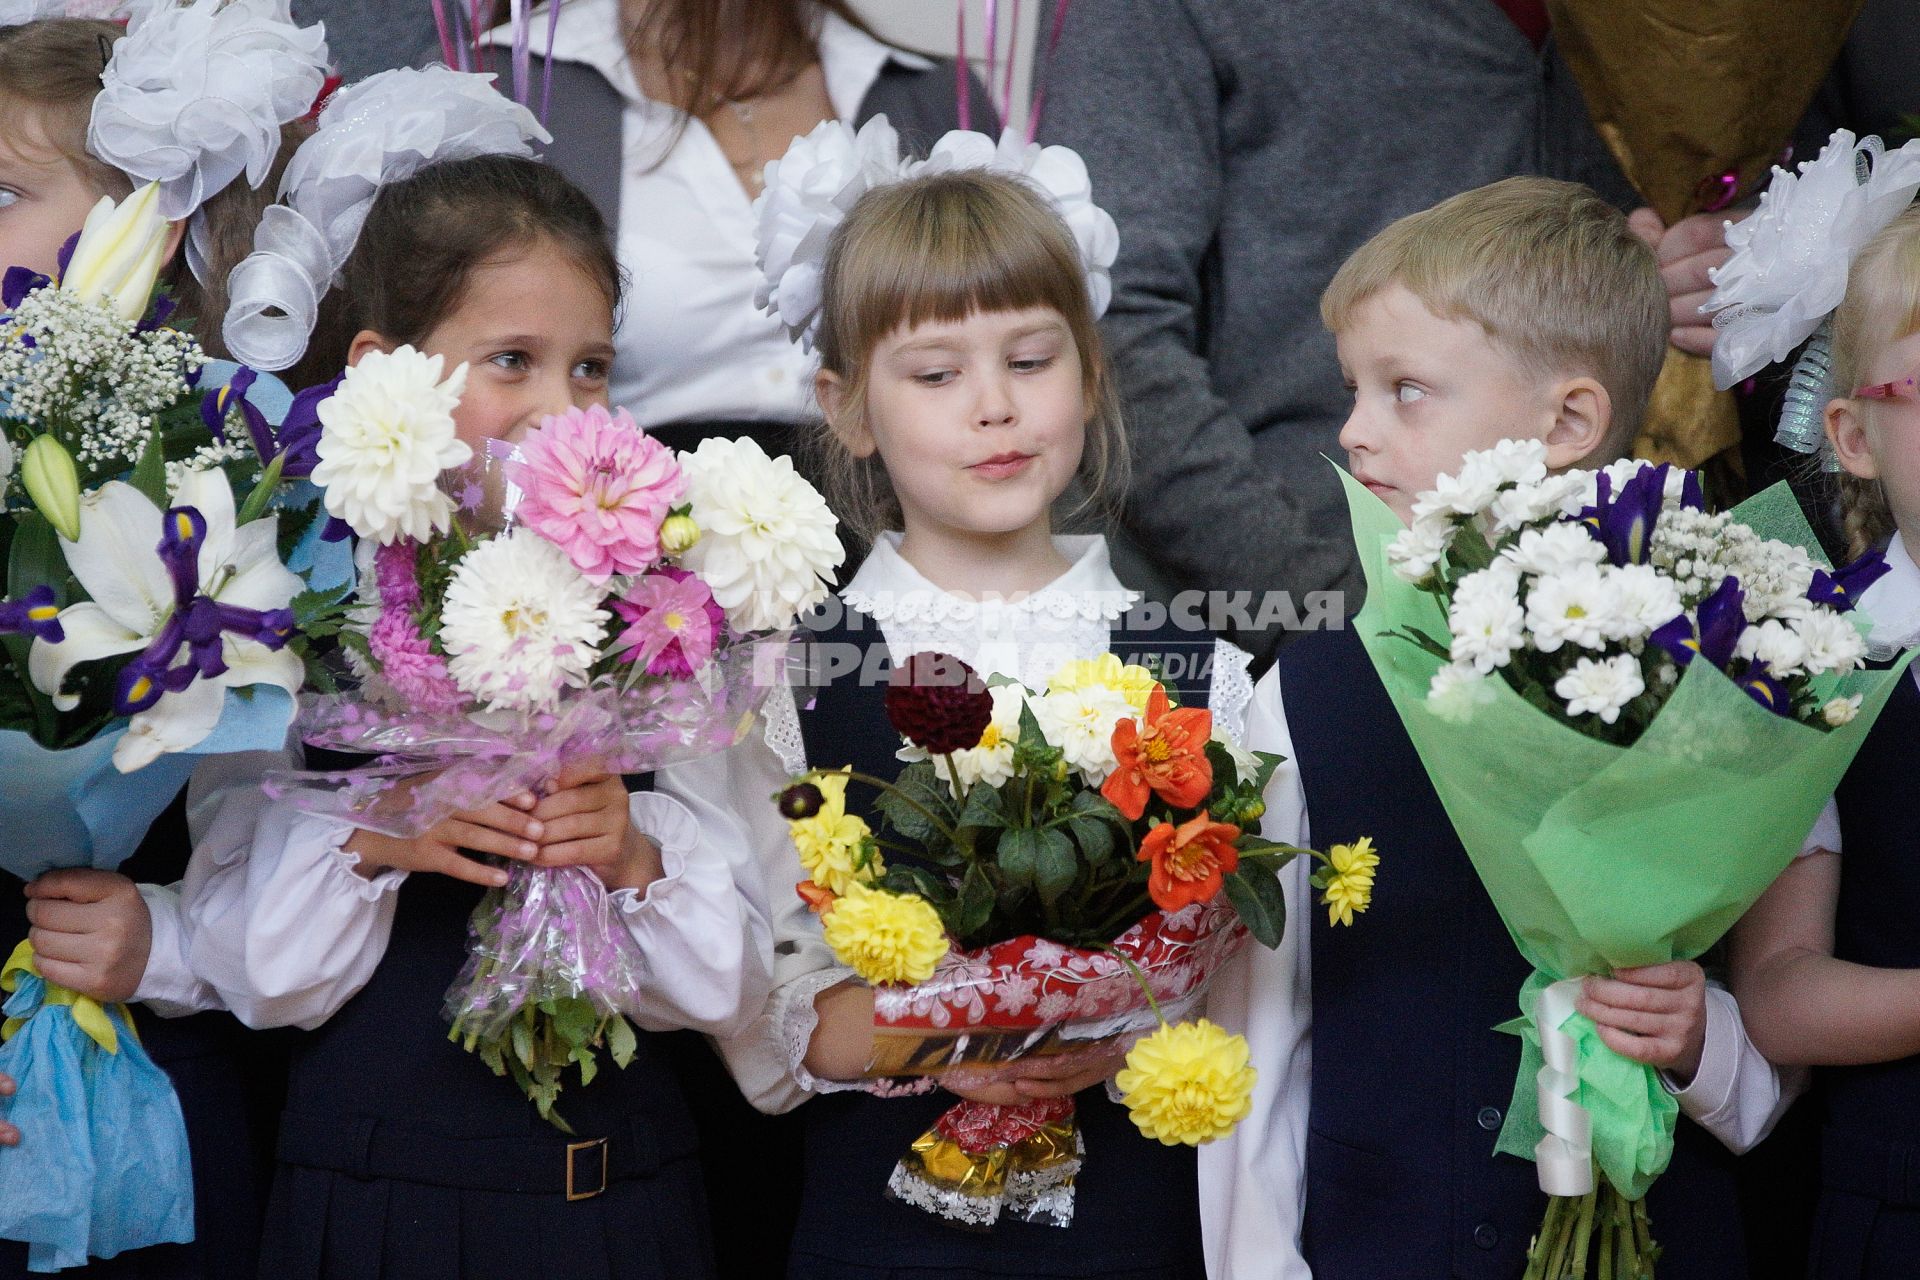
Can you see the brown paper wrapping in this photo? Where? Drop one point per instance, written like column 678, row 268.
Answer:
column 1684, row 92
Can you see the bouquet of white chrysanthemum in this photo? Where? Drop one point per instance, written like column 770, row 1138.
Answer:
column 1633, row 710
column 1588, row 593
column 584, row 595
column 156, row 573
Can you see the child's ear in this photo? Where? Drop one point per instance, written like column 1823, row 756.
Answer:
column 1582, row 415
column 1848, row 435
column 176, row 232
column 364, row 342
column 830, row 389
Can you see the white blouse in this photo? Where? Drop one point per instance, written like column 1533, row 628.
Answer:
column 276, row 925
column 1027, row 638
column 1253, row 1182
column 691, row 344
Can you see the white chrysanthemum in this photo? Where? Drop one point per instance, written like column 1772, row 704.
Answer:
column 1486, row 619
column 1080, row 722
column 1417, row 550
column 1576, row 607
column 520, row 624
column 1601, row 687
column 1457, row 691
column 1791, row 258
column 1839, row 711
column 1470, row 489
column 1776, row 644
column 992, row 761
column 767, row 546
column 1557, row 548
column 385, row 437
column 1644, row 600
column 1833, row 645
column 1520, row 462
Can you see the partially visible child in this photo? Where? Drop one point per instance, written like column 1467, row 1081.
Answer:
column 1827, row 963
column 400, row 1152
column 115, row 935
column 1526, row 309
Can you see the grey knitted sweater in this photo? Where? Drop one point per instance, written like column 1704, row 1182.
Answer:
column 1246, row 148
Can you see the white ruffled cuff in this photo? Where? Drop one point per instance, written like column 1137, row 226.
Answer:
column 343, row 862
column 167, row 985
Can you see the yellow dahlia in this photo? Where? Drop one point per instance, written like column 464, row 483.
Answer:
column 834, row 845
column 1346, row 882
column 1188, row 1082
column 885, row 936
column 1135, row 684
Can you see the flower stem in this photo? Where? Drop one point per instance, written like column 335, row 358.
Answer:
column 953, row 837
column 1138, row 977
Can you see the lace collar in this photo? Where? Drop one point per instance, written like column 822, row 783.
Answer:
column 889, row 590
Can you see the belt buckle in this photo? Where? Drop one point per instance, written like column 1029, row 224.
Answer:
column 573, row 1150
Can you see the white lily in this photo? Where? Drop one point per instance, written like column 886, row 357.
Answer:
column 121, row 250
column 117, row 562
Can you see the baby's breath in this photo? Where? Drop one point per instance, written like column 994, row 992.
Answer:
column 76, row 367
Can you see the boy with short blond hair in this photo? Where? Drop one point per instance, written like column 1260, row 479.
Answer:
column 1524, row 309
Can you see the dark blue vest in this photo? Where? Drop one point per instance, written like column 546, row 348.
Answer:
column 1871, row 1136
column 1410, row 1081
column 1137, row 1205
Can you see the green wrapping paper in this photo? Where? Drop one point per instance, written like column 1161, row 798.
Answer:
column 1599, row 856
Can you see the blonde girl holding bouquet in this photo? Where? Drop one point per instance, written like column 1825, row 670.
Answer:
column 967, row 407
column 1827, row 964
column 400, row 1152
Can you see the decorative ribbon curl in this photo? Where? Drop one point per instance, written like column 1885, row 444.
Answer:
column 380, row 131
column 1565, row 1156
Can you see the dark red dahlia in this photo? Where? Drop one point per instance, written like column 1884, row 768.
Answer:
column 800, row 801
column 938, row 703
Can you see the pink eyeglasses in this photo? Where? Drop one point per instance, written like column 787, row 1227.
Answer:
column 1899, row 389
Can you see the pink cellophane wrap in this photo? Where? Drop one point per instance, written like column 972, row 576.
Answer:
column 1018, row 998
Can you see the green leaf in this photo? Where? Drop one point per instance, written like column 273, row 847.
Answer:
column 621, row 1042
column 1094, row 838
column 983, row 808
column 523, row 1043
column 976, row 901
column 1257, row 899
column 589, row 1064
column 903, row 877
column 256, row 503
column 35, row 556
column 575, row 1021
column 1054, row 866
column 1269, row 761
column 1033, row 754
column 150, row 473
column 1018, row 853
column 916, row 786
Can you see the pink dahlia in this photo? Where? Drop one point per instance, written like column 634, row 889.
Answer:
column 673, row 622
column 599, row 487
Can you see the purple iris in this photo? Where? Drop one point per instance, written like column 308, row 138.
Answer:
column 17, row 283
column 1842, row 588
column 298, row 439
column 198, row 623
column 66, row 256
column 1624, row 523
column 158, row 314
column 1764, row 689
column 34, row 613
column 1722, row 617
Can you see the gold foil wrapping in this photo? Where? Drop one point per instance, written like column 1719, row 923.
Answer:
column 1684, row 92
